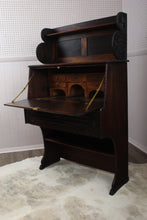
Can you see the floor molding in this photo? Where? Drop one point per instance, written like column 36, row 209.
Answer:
column 137, row 145
column 20, row 153
column 21, row 148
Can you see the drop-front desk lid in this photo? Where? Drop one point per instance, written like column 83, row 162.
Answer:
column 74, row 106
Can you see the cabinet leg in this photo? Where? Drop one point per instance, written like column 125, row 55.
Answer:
column 51, row 152
column 121, row 165
column 118, row 182
column 50, row 156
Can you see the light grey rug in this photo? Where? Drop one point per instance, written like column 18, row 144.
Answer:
column 69, row 191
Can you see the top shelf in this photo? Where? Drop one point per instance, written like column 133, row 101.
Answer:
column 91, row 41
column 80, row 29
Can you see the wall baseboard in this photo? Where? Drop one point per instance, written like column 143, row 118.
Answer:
column 137, row 145
column 21, row 148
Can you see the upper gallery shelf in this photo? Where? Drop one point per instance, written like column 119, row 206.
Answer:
column 52, row 33
column 99, row 40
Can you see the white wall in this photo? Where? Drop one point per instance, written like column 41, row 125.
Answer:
column 137, row 71
column 20, row 23
column 13, row 132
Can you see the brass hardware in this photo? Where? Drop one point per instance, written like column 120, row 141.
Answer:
column 23, row 88
column 92, row 99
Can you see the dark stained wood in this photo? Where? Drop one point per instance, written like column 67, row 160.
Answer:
column 72, row 66
column 119, row 20
column 77, row 58
column 55, row 32
column 103, row 39
column 114, row 119
column 99, row 45
column 62, row 48
column 63, row 106
column 40, row 89
column 82, row 125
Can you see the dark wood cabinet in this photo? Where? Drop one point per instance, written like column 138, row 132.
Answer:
column 78, row 96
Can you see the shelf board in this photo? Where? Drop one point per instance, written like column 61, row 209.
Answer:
column 80, row 29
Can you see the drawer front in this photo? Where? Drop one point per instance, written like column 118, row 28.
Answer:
column 57, row 77
column 76, row 78
column 57, row 84
column 84, row 125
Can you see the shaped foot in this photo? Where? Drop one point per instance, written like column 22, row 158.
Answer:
column 118, row 182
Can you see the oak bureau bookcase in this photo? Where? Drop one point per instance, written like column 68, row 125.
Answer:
column 78, row 96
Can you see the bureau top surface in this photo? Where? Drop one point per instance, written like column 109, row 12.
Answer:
column 80, row 65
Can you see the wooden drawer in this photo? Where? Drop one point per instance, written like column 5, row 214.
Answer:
column 84, row 125
column 57, row 78
column 57, row 84
column 92, row 77
column 75, row 78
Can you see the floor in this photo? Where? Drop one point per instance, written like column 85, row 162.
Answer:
column 6, row 158
column 135, row 155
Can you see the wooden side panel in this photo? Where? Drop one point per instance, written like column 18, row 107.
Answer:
column 114, row 120
column 38, row 87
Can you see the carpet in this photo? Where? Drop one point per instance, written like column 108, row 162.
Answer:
column 69, row 191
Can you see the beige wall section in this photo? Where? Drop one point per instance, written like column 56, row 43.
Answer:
column 137, row 71
column 21, row 23
column 137, row 83
column 13, row 131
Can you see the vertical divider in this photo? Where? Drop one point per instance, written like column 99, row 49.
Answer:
column 84, row 46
